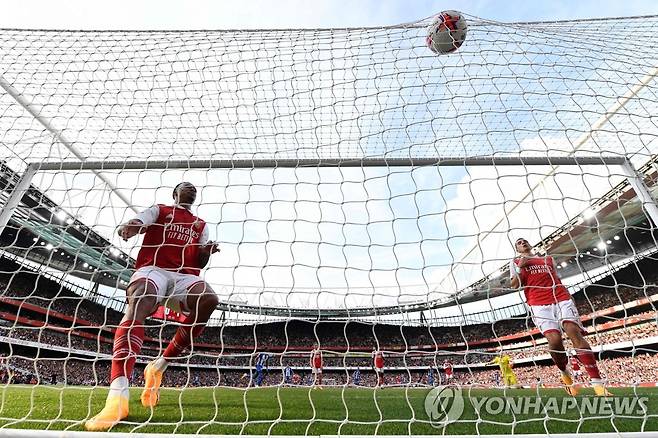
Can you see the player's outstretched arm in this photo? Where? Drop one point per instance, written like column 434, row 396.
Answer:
column 139, row 224
column 131, row 228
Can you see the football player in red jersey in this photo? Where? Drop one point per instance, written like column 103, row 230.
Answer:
column 447, row 369
column 378, row 365
column 316, row 366
column 175, row 249
column 575, row 365
column 553, row 312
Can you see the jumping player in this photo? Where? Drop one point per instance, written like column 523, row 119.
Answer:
column 378, row 365
column 553, row 312
column 316, row 366
column 175, row 249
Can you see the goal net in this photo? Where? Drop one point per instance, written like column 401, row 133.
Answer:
column 366, row 195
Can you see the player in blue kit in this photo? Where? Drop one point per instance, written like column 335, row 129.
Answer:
column 356, row 377
column 261, row 367
column 287, row 375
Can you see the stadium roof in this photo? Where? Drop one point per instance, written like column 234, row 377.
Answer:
column 42, row 232
column 613, row 229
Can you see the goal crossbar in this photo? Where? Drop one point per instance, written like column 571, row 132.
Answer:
column 296, row 163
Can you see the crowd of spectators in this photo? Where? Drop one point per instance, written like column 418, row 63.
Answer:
column 412, row 347
column 21, row 284
column 619, row 371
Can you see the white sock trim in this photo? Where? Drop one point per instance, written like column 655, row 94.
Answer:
column 119, row 387
column 160, row 364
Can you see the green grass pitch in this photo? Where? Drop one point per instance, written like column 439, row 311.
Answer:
column 299, row 411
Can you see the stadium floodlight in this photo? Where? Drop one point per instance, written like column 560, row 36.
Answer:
column 354, row 178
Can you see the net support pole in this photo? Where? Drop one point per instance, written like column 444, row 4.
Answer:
column 35, row 111
column 16, row 195
column 641, row 190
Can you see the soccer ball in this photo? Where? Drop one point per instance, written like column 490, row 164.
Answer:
column 446, row 33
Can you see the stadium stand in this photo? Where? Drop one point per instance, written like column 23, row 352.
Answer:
column 51, row 334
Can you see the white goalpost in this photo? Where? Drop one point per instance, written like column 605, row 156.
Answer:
column 366, row 195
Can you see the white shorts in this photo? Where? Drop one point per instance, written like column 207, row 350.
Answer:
column 379, row 370
column 317, row 370
column 448, row 376
column 171, row 287
column 551, row 317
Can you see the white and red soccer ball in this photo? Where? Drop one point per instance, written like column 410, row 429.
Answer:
column 446, row 33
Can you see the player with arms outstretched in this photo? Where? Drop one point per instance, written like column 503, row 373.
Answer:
column 378, row 365
column 316, row 366
column 175, row 249
column 553, row 312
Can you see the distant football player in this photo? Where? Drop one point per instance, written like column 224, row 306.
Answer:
column 430, row 376
column 576, row 369
column 316, row 366
column 378, row 365
column 447, row 370
column 356, row 377
column 261, row 367
column 287, row 375
column 505, row 364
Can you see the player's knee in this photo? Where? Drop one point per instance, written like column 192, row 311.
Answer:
column 573, row 331
column 141, row 300
column 144, row 306
column 141, row 291
column 213, row 300
column 209, row 300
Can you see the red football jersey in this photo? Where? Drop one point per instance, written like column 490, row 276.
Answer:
column 316, row 359
column 447, row 368
column 172, row 241
column 541, row 284
column 378, row 359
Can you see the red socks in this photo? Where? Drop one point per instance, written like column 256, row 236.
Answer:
column 560, row 359
column 128, row 340
column 183, row 338
column 589, row 362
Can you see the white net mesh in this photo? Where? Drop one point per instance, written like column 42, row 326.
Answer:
column 409, row 260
